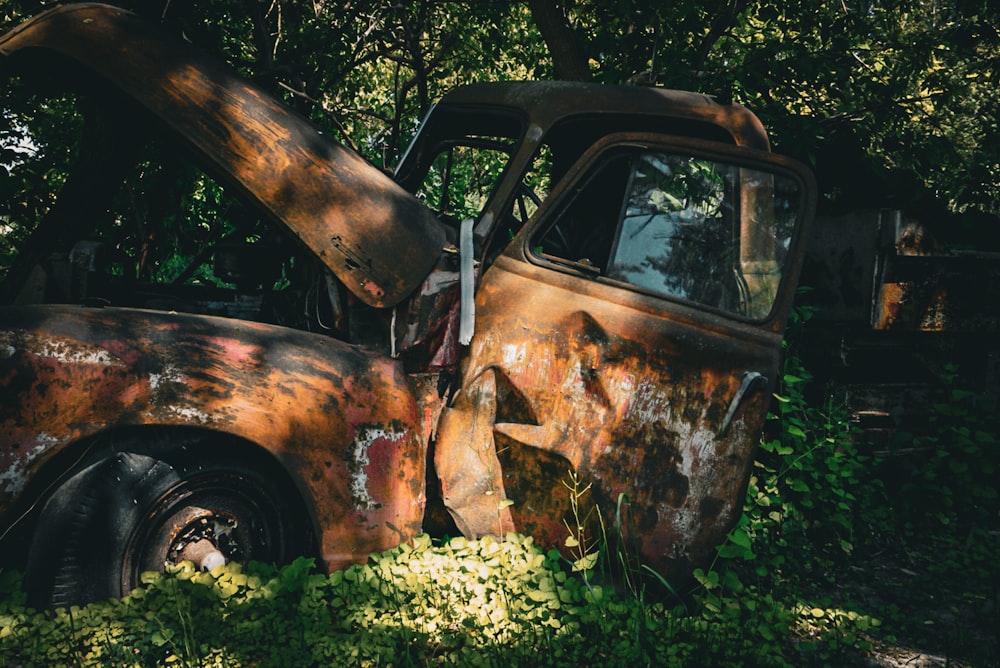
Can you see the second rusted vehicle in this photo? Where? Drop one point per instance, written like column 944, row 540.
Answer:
column 562, row 285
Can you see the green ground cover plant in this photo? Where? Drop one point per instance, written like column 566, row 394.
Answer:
column 469, row 603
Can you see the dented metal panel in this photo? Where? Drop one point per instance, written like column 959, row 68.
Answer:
column 340, row 420
column 653, row 400
column 579, row 379
column 377, row 238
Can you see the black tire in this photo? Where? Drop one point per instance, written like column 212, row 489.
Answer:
column 134, row 511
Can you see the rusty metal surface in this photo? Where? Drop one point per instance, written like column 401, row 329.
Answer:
column 569, row 378
column 654, row 405
column 378, row 239
column 341, row 421
column 544, row 104
column 924, row 285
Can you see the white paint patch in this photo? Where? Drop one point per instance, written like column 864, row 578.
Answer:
column 171, row 375
column 193, row 414
column 624, row 386
column 711, row 471
column 649, row 403
column 62, row 351
column 513, row 355
column 697, row 457
column 360, row 461
column 13, row 480
column 707, row 468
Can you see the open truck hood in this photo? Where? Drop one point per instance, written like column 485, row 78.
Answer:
column 376, row 237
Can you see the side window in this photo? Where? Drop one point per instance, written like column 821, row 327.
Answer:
column 583, row 233
column 693, row 228
column 677, row 235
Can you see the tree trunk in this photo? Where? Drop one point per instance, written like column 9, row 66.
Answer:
column 568, row 57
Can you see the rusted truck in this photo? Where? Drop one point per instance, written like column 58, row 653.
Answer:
column 560, row 284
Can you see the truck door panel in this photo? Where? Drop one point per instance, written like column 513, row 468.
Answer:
column 619, row 346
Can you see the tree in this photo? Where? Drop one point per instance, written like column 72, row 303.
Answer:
column 569, row 60
column 910, row 85
column 892, row 102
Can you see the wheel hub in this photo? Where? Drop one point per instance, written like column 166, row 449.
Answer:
column 201, row 536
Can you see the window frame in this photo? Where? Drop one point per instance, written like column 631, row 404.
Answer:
column 525, row 245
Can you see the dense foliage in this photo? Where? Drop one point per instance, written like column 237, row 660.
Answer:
column 877, row 96
column 468, row 603
column 894, row 104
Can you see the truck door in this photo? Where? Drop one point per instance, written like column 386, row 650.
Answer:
column 625, row 345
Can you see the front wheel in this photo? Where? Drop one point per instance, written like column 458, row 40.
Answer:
column 133, row 511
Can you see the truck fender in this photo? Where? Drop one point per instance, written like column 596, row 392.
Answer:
column 340, row 421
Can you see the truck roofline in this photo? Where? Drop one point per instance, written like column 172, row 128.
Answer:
column 545, row 103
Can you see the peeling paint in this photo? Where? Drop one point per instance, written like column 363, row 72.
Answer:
column 193, row 415
column 513, row 356
column 169, row 374
column 570, row 372
column 303, row 401
column 365, row 440
column 648, row 402
column 629, row 402
column 57, row 349
column 698, row 464
column 13, row 480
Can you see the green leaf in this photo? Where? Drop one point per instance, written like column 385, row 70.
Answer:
column 585, row 563
column 795, row 431
column 739, row 537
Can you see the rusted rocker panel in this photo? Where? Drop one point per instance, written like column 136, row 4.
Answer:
column 378, row 239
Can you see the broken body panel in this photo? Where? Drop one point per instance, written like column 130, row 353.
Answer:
column 641, row 373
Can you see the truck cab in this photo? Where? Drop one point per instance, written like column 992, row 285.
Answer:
column 635, row 257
